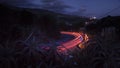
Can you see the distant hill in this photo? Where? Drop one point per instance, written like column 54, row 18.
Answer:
column 40, row 12
column 14, row 21
column 61, row 18
column 11, row 17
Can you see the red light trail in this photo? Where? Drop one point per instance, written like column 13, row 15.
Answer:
column 72, row 43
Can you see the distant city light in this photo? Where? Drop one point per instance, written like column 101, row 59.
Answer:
column 91, row 18
column 94, row 17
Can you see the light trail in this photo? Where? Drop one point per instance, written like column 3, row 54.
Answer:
column 72, row 43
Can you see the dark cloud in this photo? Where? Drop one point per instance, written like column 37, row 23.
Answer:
column 55, row 5
column 47, row 1
column 12, row 2
column 79, row 12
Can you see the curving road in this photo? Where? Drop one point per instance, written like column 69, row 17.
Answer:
column 72, row 43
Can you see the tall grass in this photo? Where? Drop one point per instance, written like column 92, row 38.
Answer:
column 101, row 55
column 26, row 53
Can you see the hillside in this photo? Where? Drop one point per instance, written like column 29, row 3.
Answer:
column 27, row 17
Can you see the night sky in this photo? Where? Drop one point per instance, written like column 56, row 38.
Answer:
column 95, row 7
column 78, row 7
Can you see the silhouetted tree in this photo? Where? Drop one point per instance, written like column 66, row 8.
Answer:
column 11, row 22
column 49, row 26
column 78, row 25
column 106, row 22
column 26, row 18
